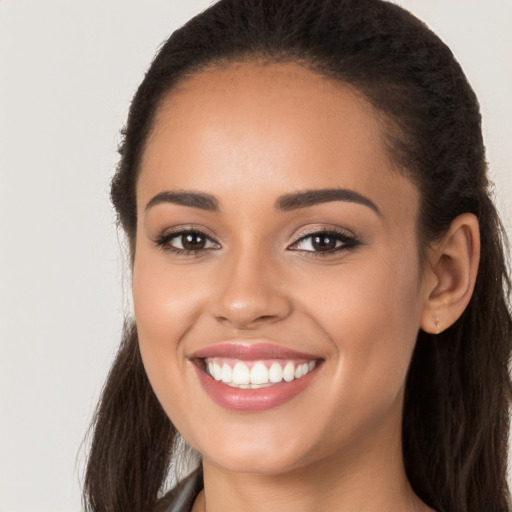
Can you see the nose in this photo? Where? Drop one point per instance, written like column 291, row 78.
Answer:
column 249, row 293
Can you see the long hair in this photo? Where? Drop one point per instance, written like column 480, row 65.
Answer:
column 458, row 389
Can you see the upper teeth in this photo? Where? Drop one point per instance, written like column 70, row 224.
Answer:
column 251, row 375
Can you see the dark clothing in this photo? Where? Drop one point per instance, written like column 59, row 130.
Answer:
column 183, row 496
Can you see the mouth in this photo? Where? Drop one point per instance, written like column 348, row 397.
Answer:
column 256, row 374
column 253, row 378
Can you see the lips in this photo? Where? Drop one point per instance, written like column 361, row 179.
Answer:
column 253, row 377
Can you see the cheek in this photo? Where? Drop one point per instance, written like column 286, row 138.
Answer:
column 371, row 312
column 165, row 301
column 165, row 306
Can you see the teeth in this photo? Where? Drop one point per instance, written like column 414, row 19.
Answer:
column 259, row 375
column 227, row 373
column 289, row 372
column 275, row 373
column 217, row 372
column 241, row 374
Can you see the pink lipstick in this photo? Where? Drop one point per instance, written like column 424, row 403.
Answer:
column 253, row 377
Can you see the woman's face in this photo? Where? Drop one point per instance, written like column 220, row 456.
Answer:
column 274, row 236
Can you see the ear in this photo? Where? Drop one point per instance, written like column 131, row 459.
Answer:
column 451, row 274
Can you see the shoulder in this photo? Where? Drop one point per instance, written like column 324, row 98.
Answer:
column 181, row 498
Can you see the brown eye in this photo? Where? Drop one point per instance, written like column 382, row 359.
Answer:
column 323, row 243
column 186, row 242
column 193, row 241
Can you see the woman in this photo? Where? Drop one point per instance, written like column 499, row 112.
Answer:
column 318, row 274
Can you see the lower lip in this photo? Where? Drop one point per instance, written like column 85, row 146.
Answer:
column 253, row 400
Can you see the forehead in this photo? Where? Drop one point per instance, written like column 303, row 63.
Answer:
column 280, row 126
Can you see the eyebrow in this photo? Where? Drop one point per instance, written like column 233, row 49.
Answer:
column 286, row 202
column 185, row 198
column 308, row 198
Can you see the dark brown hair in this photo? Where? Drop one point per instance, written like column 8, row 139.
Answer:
column 458, row 390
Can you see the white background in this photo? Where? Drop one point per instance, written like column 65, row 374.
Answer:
column 68, row 69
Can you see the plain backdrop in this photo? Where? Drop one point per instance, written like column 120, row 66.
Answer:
column 68, row 69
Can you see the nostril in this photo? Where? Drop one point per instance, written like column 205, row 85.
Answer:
column 268, row 317
column 248, row 322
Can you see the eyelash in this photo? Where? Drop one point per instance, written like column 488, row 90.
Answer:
column 348, row 241
column 164, row 242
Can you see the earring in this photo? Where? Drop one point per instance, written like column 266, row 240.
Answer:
column 438, row 325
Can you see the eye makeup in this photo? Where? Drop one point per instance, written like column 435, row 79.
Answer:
column 317, row 242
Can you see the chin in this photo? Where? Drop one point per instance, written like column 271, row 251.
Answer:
column 266, row 465
column 257, row 455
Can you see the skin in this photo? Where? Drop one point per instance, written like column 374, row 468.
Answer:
column 248, row 134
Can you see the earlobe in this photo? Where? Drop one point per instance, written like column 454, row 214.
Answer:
column 453, row 266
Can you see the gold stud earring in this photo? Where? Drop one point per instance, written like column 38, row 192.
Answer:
column 438, row 325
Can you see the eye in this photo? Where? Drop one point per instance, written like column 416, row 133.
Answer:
column 326, row 242
column 186, row 242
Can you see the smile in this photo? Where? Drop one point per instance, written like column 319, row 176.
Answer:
column 256, row 374
column 251, row 378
